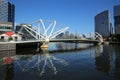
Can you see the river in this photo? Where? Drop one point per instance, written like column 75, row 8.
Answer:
column 62, row 61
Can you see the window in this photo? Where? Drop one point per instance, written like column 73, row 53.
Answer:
column 16, row 38
column 2, row 37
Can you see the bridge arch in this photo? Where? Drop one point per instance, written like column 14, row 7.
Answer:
column 98, row 37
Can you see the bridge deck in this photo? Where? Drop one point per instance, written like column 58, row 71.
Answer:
column 75, row 41
column 56, row 40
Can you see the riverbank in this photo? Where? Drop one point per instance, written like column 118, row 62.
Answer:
column 13, row 45
column 7, row 46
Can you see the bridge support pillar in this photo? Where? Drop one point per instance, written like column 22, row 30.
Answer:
column 45, row 44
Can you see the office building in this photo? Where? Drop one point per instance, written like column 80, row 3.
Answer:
column 111, row 29
column 117, row 19
column 7, row 13
column 102, row 24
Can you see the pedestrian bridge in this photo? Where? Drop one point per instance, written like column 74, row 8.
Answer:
column 46, row 34
column 59, row 40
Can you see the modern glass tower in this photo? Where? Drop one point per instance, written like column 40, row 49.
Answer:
column 7, row 11
column 117, row 19
column 102, row 23
column 3, row 10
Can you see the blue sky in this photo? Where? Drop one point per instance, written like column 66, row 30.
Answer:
column 78, row 15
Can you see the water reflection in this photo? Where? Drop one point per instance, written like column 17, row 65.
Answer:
column 49, row 58
column 6, row 72
column 5, row 54
column 41, row 62
column 9, row 72
column 117, row 61
column 81, row 63
column 73, row 46
column 103, row 61
column 98, row 50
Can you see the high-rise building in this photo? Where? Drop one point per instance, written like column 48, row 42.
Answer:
column 111, row 29
column 7, row 13
column 117, row 19
column 102, row 23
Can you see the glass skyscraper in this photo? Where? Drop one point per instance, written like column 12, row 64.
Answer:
column 117, row 19
column 7, row 11
column 102, row 24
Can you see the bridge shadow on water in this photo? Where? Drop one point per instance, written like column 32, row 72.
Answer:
column 60, row 49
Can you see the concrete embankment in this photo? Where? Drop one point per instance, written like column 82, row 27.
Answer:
column 7, row 46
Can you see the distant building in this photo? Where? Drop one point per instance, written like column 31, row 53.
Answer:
column 117, row 19
column 102, row 24
column 7, row 12
column 25, row 34
column 111, row 29
column 10, row 36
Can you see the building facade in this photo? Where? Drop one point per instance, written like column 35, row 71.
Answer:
column 102, row 24
column 5, row 27
column 7, row 12
column 117, row 19
column 10, row 36
column 111, row 29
